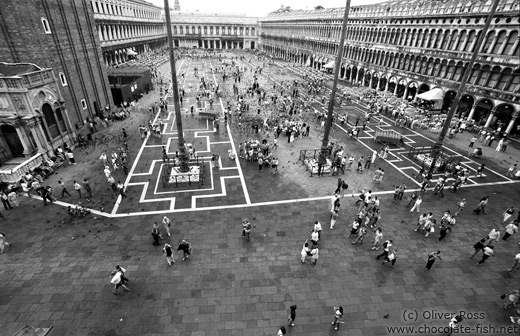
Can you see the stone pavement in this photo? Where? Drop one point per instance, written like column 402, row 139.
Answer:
column 57, row 272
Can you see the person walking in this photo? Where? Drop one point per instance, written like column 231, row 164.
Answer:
column 479, row 246
column 392, row 258
column 481, row 206
column 360, row 235
column 493, row 235
column 315, row 255
column 333, row 218
column 461, row 205
column 378, row 238
column 155, row 234
column 121, row 189
column 112, row 182
column 338, row 315
column 508, row 213
column 513, row 299
column 443, row 231
column 432, row 256
column 168, row 252
column 282, row 331
column 306, row 251
column 3, row 242
column 292, row 315
column 246, row 229
column 63, row 189
column 516, row 264
column 402, row 189
column 317, row 227
column 87, row 188
column 413, row 198
column 77, row 187
column 166, row 224
column 314, row 237
column 487, row 252
column 117, row 281
column 472, row 141
column 510, row 229
column 480, row 170
column 454, row 324
column 386, row 250
column 12, row 197
column 439, row 188
column 70, row 156
column 417, row 204
column 186, row 249
column 5, row 200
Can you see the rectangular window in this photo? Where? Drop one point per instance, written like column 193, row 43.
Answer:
column 83, row 104
column 63, row 80
column 46, row 26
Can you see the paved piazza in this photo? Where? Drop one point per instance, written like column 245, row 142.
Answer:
column 57, row 272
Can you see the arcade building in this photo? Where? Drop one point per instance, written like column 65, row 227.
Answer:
column 411, row 47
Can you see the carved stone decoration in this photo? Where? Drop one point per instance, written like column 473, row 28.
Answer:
column 4, row 103
column 18, row 99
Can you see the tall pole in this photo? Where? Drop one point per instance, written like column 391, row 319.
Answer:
column 183, row 155
column 324, row 153
column 467, row 71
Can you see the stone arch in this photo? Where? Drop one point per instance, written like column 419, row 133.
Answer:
column 401, row 87
column 465, row 105
column 483, row 108
column 392, row 83
column 374, row 80
column 382, row 82
column 15, row 146
column 412, row 90
column 503, row 114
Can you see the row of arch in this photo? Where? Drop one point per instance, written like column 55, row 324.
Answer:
column 483, row 110
column 502, row 78
column 498, row 42
column 125, row 8
column 214, row 30
column 119, row 32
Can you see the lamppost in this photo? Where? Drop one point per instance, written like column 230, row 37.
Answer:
column 324, row 153
column 183, row 155
column 437, row 148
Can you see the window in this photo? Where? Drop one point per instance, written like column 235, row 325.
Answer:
column 46, row 26
column 63, row 80
column 83, row 104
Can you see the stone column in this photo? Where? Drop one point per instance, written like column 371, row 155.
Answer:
column 386, row 85
column 471, row 112
column 512, row 122
column 405, row 95
column 42, row 146
column 22, row 135
column 490, row 117
column 395, row 89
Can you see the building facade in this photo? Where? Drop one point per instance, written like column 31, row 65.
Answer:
column 126, row 28
column 33, row 118
column 214, row 30
column 58, row 35
column 409, row 47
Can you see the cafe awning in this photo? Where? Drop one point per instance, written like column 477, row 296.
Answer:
column 433, row 94
column 130, row 52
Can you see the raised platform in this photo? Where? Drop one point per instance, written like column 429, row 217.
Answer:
column 193, row 175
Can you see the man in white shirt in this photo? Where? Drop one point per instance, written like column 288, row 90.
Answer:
column 317, row 227
column 488, row 252
column 516, row 264
column 511, row 229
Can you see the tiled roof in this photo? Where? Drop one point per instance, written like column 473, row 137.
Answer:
column 15, row 69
